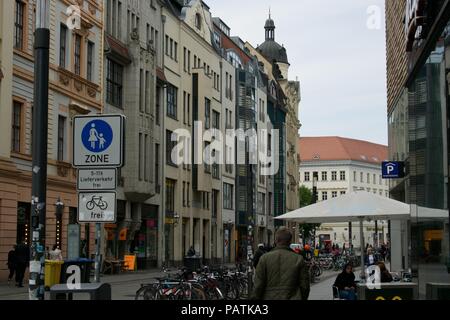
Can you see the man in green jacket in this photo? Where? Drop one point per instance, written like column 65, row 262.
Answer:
column 281, row 274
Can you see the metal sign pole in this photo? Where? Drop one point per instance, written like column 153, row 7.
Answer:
column 39, row 167
column 361, row 234
column 98, row 231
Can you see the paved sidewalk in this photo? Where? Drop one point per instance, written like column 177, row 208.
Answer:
column 124, row 286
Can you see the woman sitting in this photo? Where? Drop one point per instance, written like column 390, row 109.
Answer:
column 385, row 275
column 345, row 282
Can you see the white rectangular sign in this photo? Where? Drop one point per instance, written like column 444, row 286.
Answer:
column 98, row 141
column 97, row 179
column 97, row 207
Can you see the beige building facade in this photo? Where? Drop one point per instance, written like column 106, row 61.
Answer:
column 75, row 88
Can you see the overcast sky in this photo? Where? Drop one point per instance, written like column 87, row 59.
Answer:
column 339, row 60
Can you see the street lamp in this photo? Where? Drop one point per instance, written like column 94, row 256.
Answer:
column 59, row 213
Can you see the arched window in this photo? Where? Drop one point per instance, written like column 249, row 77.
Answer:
column 198, row 21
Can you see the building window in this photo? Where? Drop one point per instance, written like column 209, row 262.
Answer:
column 374, row 178
column 77, row 55
column 158, row 186
column 228, row 196
column 188, row 191
column 16, row 126
column 368, row 178
column 207, row 113
column 342, row 175
column 184, row 106
column 170, row 195
column 333, row 176
column 324, row 176
column 141, row 90
column 198, row 21
column 63, row 46
column 19, row 25
column 114, row 83
column 90, row 61
column 61, row 137
column 172, row 102
column 215, row 171
column 334, row 194
column 158, row 106
column 307, row 177
column 324, row 195
column 184, row 194
column 361, row 175
column 216, row 120
column 170, row 145
column 342, row 193
column 354, row 176
column 140, row 154
column 208, row 159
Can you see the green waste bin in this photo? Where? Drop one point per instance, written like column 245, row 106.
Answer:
column 52, row 273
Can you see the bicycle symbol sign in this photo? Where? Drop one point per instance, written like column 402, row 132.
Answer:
column 97, row 207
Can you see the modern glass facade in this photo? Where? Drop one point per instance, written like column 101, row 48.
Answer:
column 418, row 135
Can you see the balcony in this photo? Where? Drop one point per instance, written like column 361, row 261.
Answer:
column 78, row 85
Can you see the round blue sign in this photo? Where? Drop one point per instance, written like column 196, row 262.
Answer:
column 97, row 136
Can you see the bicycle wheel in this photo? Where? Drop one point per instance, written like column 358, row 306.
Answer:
column 90, row 205
column 146, row 293
column 103, row 205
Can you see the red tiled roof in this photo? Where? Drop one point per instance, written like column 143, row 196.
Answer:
column 337, row 148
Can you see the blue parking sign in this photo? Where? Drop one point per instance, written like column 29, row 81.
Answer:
column 392, row 170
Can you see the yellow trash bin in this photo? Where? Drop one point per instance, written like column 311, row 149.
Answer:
column 52, row 273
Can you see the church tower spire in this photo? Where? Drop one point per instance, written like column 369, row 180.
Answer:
column 270, row 28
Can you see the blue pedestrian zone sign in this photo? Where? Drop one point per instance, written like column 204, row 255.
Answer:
column 98, row 141
column 97, row 136
column 393, row 169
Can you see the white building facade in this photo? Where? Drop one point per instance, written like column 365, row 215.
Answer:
column 339, row 172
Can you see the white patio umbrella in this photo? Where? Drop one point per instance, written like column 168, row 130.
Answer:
column 354, row 206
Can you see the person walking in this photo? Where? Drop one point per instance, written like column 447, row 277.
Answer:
column 22, row 260
column 11, row 263
column 258, row 254
column 345, row 282
column 371, row 259
column 281, row 274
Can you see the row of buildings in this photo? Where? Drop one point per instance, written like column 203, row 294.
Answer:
column 166, row 65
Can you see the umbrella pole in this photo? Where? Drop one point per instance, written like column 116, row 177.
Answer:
column 361, row 236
